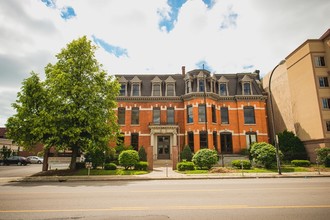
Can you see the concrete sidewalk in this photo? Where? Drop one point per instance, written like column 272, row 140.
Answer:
column 166, row 173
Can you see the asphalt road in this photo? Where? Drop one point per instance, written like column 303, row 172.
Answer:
column 19, row 171
column 284, row 198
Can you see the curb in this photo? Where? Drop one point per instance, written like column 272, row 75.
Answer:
column 139, row 178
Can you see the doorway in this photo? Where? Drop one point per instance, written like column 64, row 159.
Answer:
column 163, row 147
column 226, row 143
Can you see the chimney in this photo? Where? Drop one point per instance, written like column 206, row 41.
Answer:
column 183, row 70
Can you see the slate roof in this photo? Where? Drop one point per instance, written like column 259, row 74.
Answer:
column 234, row 82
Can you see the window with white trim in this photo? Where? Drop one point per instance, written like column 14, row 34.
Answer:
column 326, row 103
column 223, row 89
column 319, row 61
column 323, row 82
column 136, row 89
column 247, row 88
column 170, row 89
column 327, row 124
column 122, row 91
column 156, row 89
column 249, row 117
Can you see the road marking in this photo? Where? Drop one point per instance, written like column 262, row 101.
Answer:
column 159, row 208
column 171, row 190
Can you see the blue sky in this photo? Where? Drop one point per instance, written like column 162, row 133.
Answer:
column 154, row 36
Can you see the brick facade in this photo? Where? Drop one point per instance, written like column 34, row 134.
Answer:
column 156, row 128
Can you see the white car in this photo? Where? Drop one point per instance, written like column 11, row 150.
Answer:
column 35, row 159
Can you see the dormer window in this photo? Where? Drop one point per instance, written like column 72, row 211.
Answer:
column 156, row 86
column 123, row 86
column 223, row 89
column 122, row 91
column 223, row 86
column 201, row 85
column 247, row 88
column 136, row 86
column 156, row 90
column 246, row 85
column 136, row 90
column 170, row 90
column 170, row 86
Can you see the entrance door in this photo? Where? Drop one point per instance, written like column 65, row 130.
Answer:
column 163, row 147
column 226, row 143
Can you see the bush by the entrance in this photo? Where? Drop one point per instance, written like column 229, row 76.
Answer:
column 186, row 165
column 142, row 154
column 301, row 163
column 128, row 158
column 141, row 165
column 238, row 164
column 205, row 158
column 186, row 154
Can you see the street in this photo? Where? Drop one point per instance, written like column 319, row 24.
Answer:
column 287, row 198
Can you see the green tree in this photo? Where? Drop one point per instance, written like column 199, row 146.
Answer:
column 186, row 153
column 25, row 127
column 142, row 154
column 76, row 104
column 205, row 158
column 264, row 154
column 128, row 158
column 291, row 146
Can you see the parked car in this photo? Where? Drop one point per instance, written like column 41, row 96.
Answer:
column 16, row 160
column 35, row 159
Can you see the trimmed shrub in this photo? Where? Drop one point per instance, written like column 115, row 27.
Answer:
column 182, row 166
column 264, row 154
column 186, row 153
column 110, row 166
column 327, row 161
column 142, row 154
column 291, row 146
column 141, row 165
column 301, row 163
column 322, row 154
column 205, row 158
column 128, row 158
column 238, row 164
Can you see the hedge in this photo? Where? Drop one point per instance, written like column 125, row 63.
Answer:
column 110, row 166
column 238, row 164
column 301, row 163
column 141, row 165
column 186, row 165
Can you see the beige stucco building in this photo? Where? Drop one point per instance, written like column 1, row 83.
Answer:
column 301, row 93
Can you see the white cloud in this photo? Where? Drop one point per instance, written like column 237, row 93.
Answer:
column 261, row 33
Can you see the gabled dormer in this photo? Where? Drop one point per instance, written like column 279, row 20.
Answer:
column 156, row 86
column 135, row 86
column 201, row 82
column 246, row 82
column 123, row 86
column 170, row 86
column 223, row 86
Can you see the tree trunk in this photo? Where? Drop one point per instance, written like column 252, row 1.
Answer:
column 74, row 158
column 45, row 163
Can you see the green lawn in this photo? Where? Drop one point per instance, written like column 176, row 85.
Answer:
column 110, row 172
column 285, row 169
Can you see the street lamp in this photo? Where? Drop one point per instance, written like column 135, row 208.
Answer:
column 273, row 118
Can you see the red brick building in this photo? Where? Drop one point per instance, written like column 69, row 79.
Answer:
column 163, row 113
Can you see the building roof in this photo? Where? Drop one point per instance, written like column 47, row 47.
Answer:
column 234, row 81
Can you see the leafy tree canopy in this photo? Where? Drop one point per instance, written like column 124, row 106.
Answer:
column 73, row 108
